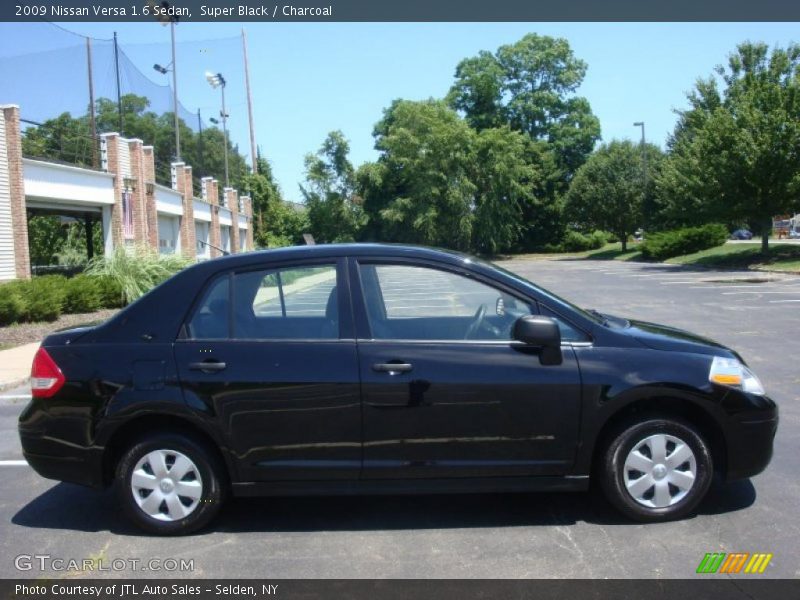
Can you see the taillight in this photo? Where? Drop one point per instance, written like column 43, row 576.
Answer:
column 46, row 377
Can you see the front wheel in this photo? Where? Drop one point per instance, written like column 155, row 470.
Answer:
column 657, row 469
column 170, row 484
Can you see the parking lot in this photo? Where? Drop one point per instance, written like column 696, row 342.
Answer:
column 487, row 536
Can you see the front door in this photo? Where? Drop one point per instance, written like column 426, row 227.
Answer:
column 269, row 356
column 446, row 392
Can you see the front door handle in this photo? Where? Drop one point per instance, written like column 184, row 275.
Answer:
column 392, row 368
column 208, row 366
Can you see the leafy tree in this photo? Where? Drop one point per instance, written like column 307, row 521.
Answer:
column 505, row 181
column 530, row 86
column 735, row 153
column 608, row 190
column 276, row 222
column 334, row 210
column 420, row 189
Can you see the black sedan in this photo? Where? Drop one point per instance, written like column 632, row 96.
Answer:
column 349, row 369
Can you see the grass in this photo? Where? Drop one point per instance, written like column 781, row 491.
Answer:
column 780, row 257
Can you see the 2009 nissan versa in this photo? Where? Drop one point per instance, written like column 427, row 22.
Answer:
column 384, row 369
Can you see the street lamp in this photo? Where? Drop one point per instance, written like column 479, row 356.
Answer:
column 644, row 167
column 218, row 81
column 172, row 20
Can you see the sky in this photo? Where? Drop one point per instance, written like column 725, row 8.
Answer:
column 311, row 78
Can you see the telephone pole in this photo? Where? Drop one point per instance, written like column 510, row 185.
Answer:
column 253, row 153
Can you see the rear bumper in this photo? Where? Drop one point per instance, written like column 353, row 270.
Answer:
column 58, row 460
column 750, row 444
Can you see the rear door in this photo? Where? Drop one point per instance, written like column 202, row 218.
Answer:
column 446, row 391
column 270, row 354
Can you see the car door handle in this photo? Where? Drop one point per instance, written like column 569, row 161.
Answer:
column 208, row 366
column 393, row 368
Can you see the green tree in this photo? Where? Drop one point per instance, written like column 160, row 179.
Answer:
column 531, row 86
column 504, row 181
column 334, row 210
column 420, row 189
column 735, row 153
column 608, row 190
column 276, row 222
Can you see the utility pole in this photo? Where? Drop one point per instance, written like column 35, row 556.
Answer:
column 175, row 94
column 92, row 120
column 645, row 203
column 119, row 91
column 253, row 153
column 200, row 137
column 225, row 134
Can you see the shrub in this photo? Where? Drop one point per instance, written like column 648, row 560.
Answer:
column 578, row 242
column 110, row 291
column 136, row 272
column 12, row 306
column 82, row 294
column 660, row 246
column 43, row 297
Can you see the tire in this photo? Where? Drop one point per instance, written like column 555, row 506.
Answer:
column 668, row 484
column 160, row 466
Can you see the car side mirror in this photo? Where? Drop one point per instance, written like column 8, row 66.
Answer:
column 536, row 331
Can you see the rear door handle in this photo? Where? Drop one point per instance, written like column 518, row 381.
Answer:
column 393, row 368
column 209, row 366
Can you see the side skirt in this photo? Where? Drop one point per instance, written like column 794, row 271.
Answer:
column 498, row 485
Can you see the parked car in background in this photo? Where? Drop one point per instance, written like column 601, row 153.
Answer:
column 368, row 368
column 742, row 234
column 794, row 233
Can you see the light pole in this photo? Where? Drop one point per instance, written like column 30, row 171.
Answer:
column 218, row 81
column 164, row 70
column 644, row 168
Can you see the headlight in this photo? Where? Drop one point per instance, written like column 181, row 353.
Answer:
column 730, row 372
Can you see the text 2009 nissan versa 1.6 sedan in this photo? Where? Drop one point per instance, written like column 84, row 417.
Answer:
column 384, row 369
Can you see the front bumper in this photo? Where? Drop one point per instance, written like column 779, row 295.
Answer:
column 750, row 438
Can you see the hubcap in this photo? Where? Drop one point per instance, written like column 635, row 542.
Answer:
column 166, row 485
column 660, row 470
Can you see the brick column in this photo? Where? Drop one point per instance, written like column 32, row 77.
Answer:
column 212, row 197
column 232, row 202
column 247, row 209
column 140, row 230
column 16, row 188
column 151, row 214
column 110, row 150
column 182, row 182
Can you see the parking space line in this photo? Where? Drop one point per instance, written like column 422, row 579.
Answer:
column 16, row 397
column 13, row 463
column 782, row 301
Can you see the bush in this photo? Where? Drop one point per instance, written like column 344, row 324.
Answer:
column 109, row 290
column 136, row 272
column 12, row 306
column 43, row 297
column 82, row 294
column 578, row 242
column 660, row 246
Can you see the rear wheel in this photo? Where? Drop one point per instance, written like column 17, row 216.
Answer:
column 656, row 469
column 170, row 484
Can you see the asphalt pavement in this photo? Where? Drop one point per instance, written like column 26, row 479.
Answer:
column 493, row 536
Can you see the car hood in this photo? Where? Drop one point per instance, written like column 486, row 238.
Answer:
column 662, row 337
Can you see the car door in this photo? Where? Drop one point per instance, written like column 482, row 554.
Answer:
column 270, row 354
column 446, row 391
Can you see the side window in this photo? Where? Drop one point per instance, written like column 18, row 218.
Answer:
column 293, row 303
column 422, row 303
column 568, row 332
column 211, row 319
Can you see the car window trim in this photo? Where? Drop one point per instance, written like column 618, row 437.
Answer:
column 355, row 273
column 344, row 299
